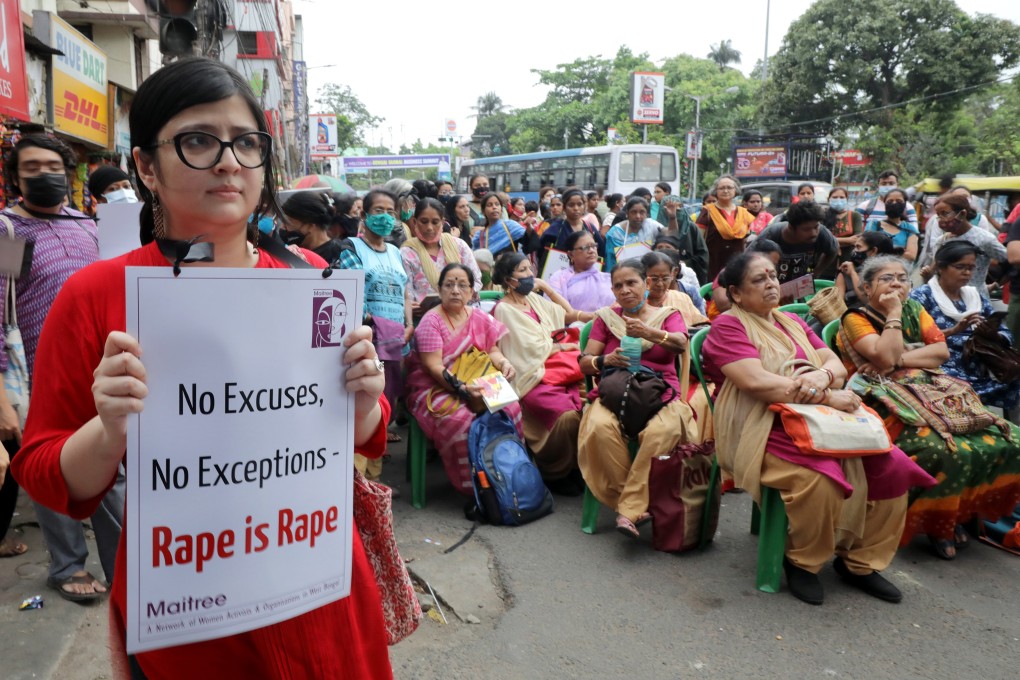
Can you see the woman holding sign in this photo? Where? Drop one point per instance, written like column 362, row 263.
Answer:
column 203, row 154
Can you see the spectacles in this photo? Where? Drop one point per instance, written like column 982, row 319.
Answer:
column 948, row 215
column 964, row 267
column 382, row 211
column 588, row 248
column 660, row 279
column 456, row 286
column 889, row 278
column 202, row 150
column 725, row 188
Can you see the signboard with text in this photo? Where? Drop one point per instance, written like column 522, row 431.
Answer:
column 759, row 161
column 240, row 468
column 322, row 140
column 366, row 163
column 80, row 97
column 648, row 98
column 13, row 81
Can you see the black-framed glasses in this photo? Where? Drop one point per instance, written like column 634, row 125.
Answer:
column 203, row 150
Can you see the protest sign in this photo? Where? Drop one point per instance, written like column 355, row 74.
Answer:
column 240, row 467
column 118, row 228
column 555, row 260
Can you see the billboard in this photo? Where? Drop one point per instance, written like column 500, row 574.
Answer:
column 760, row 161
column 852, row 158
column 647, row 97
column 80, row 97
column 13, row 81
column 322, row 135
column 365, row 163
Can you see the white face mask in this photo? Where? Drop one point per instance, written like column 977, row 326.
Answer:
column 121, row 196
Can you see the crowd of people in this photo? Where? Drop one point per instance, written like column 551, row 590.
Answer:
column 630, row 285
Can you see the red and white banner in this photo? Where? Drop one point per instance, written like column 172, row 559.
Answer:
column 13, row 81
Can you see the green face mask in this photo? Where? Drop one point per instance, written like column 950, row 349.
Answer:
column 406, row 215
column 486, row 278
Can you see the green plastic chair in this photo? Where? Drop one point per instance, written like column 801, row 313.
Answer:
column 490, row 295
column 417, row 444
column 713, row 477
column 829, row 335
column 799, row 308
column 706, row 291
column 769, row 523
column 819, row 285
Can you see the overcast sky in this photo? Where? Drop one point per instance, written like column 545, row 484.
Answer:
column 440, row 62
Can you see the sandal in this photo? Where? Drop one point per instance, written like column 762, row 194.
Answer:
column 944, row 548
column 626, row 527
column 393, row 437
column 12, row 549
column 85, row 579
column 961, row 538
column 643, row 519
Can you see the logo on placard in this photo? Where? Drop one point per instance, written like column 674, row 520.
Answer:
column 329, row 318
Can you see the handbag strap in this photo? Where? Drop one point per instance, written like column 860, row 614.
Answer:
column 10, row 304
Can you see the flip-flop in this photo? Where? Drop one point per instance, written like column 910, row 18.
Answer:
column 393, row 437
column 626, row 527
column 961, row 538
column 12, row 549
column 942, row 547
column 88, row 579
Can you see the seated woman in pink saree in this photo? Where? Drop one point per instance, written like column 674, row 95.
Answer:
column 445, row 410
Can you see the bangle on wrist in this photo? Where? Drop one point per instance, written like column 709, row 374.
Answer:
column 665, row 338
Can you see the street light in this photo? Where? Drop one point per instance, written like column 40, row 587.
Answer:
column 697, row 134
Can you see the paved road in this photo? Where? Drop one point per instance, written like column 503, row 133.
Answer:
column 556, row 603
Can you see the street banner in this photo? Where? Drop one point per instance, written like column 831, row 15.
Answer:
column 240, row 468
column 647, row 98
column 119, row 232
column 760, row 161
column 322, row 140
column 81, row 98
column 13, row 79
column 693, row 145
column 413, row 161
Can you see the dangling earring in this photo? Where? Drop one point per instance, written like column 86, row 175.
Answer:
column 158, row 226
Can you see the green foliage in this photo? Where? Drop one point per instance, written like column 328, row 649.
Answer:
column 724, row 54
column 352, row 117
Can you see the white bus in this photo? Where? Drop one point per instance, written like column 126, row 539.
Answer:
column 616, row 168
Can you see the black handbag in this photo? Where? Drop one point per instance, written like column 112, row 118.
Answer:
column 634, row 398
column 991, row 352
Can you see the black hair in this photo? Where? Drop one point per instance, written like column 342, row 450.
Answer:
column 472, row 178
column 809, row 185
column 39, row 141
column 835, row 189
column 710, row 194
column 426, row 203
column 531, row 206
column 736, row 269
column 369, row 198
column 591, row 194
column 570, row 193
column 654, row 258
column 485, row 199
column 311, row 207
column 642, row 192
column 946, row 181
column 880, row 241
column 958, row 203
column 505, row 265
column 671, row 239
column 634, row 263
column 954, row 251
column 764, row 246
column 441, row 183
column 570, row 242
column 665, row 187
column 613, row 200
column 451, row 210
column 634, row 201
column 457, row 265
column 886, row 174
column 425, row 188
column 178, row 86
column 749, row 193
column 896, row 190
column 804, row 211
column 344, row 202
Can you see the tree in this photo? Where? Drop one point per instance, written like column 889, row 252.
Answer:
column 723, row 54
column 834, row 65
column 352, row 117
column 489, row 104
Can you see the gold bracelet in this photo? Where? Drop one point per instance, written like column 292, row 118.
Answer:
column 594, row 364
column 665, row 338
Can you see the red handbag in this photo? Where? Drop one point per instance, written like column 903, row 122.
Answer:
column 679, row 496
column 373, row 515
column 562, row 368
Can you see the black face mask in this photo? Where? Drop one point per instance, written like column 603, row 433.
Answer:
column 858, row 257
column 479, row 191
column 292, row 238
column 46, row 190
column 895, row 210
column 350, row 225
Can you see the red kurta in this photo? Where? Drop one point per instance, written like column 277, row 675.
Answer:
column 344, row 639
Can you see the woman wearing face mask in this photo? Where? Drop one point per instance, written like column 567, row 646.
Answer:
column 309, row 216
column 755, row 204
column 431, row 250
column 845, row 224
column 479, row 187
column 347, row 216
column 551, row 412
column 110, row 184
column 954, row 214
column 500, row 234
column 895, row 223
column 552, row 213
column 867, row 245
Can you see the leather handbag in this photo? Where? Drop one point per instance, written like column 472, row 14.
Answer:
column 679, row 496
column 634, row 398
column 562, row 368
column 990, row 352
column 373, row 515
column 469, row 366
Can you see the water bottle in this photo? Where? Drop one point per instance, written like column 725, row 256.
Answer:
column 631, row 348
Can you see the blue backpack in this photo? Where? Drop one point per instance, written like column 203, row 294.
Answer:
column 515, row 493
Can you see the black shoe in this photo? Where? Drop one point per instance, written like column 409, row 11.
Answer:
column 803, row 585
column 873, row 584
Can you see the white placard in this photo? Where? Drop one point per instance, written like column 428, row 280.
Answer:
column 555, row 260
column 240, row 467
column 118, row 228
column 647, row 98
column 632, row 251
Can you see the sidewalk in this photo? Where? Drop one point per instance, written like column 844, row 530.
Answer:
column 62, row 640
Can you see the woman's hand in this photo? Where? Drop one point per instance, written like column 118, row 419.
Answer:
column 5, row 462
column 636, row 328
column 297, row 251
column 10, row 425
column 119, row 385
column 869, row 370
column 617, row 359
column 363, row 377
column 508, row 370
column 844, row 400
column 809, row 388
column 889, row 304
column 670, row 207
column 455, row 232
column 846, row 268
column 966, row 323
